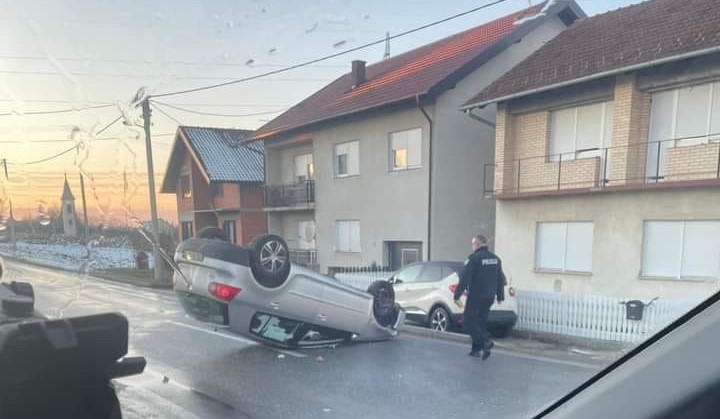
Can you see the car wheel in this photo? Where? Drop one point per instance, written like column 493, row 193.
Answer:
column 440, row 319
column 383, row 302
column 270, row 260
column 500, row 331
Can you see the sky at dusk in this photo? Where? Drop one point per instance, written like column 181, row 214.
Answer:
column 75, row 54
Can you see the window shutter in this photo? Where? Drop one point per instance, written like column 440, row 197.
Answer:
column 701, row 249
column 661, row 255
column 550, row 246
column 578, row 256
column 414, row 145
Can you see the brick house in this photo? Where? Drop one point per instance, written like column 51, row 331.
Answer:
column 218, row 181
column 373, row 167
column 607, row 168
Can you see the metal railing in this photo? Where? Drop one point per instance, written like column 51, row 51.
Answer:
column 301, row 193
column 304, row 257
column 679, row 159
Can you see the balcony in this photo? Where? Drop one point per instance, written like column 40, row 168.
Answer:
column 296, row 196
column 692, row 161
column 304, row 257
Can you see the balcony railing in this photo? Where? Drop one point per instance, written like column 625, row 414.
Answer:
column 296, row 194
column 634, row 165
column 304, row 257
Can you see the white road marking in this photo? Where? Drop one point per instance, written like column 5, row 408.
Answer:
column 235, row 338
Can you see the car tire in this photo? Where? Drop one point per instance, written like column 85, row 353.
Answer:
column 270, row 260
column 384, row 307
column 440, row 319
column 500, row 331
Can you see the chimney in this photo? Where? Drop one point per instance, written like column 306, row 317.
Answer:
column 358, row 73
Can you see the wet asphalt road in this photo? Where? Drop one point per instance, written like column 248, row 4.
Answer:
column 196, row 372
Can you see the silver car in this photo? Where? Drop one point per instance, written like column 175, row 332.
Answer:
column 256, row 292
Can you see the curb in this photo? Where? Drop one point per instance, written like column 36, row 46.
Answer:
column 434, row 334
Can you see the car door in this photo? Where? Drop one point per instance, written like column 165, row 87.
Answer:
column 403, row 279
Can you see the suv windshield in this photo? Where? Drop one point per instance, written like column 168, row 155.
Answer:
column 277, row 196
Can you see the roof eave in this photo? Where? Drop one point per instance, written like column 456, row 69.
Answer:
column 595, row 76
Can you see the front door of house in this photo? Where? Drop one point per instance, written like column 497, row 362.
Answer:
column 403, row 253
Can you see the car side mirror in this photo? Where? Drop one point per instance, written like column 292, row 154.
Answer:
column 398, row 280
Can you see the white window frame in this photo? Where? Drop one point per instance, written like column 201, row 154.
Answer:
column 605, row 140
column 308, row 169
column 679, row 271
column 393, row 136
column 336, row 168
column 563, row 268
column 675, row 141
column 231, row 233
column 357, row 248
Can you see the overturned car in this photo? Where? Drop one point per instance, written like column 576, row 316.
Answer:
column 256, row 292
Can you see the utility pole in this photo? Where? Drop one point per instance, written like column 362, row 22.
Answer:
column 159, row 264
column 11, row 224
column 85, row 216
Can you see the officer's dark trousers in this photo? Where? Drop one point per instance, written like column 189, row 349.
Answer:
column 475, row 320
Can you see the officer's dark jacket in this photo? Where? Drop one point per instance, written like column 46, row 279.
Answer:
column 482, row 277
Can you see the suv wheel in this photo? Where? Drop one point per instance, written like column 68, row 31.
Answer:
column 440, row 319
column 270, row 260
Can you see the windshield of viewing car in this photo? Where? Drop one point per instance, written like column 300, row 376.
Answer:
column 343, row 144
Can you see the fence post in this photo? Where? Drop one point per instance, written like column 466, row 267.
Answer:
column 605, row 179
column 657, row 163
column 559, row 172
column 518, row 177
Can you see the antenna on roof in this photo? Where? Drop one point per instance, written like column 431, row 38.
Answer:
column 387, row 45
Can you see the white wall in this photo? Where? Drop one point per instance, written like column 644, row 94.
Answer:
column 617, row 240
column 390, row 205
column 461, row 147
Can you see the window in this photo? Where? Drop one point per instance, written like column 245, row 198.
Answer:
column 304, row 167
column 408, row 256
column 689, row 115
column 347, row 159
column 185, row 186
column 564, row 247
column 409, row 274
column 348, row 236
column 580, row 132
column 406, row 149
column 431, row 273
column 186, row 229
column 69, row 208
column 229, row 229
column 218, row 190
column 681, row 249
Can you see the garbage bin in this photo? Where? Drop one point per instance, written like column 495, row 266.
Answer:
column 634, row 309
column 141, row 261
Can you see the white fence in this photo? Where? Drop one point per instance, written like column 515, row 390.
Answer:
column 361, row 280
column 592, row 316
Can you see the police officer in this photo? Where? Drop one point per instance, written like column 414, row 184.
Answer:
column 484, row 281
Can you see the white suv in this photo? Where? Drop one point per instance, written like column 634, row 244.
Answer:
column 425, row 290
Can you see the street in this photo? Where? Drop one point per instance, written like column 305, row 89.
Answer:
column 196, row 371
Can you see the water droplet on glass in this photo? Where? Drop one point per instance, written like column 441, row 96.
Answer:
column 249, row 62
column 230, row 24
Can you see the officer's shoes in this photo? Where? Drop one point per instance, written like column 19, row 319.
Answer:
column 486, row 349
column 476, row 354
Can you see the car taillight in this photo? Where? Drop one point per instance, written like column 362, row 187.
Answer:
column 453, row 288
column 222, row 291
column 511, row 291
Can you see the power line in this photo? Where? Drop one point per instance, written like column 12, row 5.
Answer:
column 146, row 76
column 337, row 54
column 216, row 114
column 159, row 109
column 57, row 111
column 109, row 125
column 54, row 156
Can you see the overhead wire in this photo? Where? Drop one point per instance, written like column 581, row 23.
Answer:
column 214, row 113
column 57, row 111
column 328, row 57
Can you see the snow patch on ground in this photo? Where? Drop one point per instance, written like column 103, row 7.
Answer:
column 72, row 256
